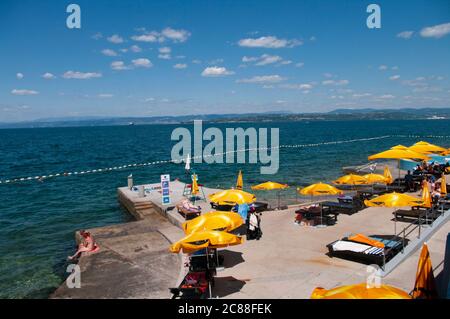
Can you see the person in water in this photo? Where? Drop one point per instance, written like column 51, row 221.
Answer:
column 87, row 245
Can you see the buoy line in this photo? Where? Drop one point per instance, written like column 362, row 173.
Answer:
column 138, row 165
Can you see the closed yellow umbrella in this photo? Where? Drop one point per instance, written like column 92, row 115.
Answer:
column 194, row 189
column 426, row 196
column 425, row 285
column 350, row 179
column 205, row 239
column 394, row 200
column 360, row 291
column 223, row 221
column 240, row 181
column 320, row 189
column 427, row 148
column 387, row 174
column 443, row 185
column 232, row 197
column 375, row 178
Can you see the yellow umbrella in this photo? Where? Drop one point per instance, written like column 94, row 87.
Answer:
column 223, row 221
column 205, row 239
column 399, row 147
column 270, row 186
column 425, row 285
column 375, row 178
column 399, row 154
column 194, row 190
column 387, row 174
column 427, row 148
column 232, row 197
column 426, row 196
column 360, row 291
column 239, row 182
column 350, row 179
column 443, row 185
column 320, row 189
column 394, row 200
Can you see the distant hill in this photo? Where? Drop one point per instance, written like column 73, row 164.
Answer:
column 278, row 116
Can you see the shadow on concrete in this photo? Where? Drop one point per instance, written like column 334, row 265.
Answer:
column 231, row 258
column 224, row 286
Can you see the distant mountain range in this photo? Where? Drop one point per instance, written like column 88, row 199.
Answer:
column 282, row 116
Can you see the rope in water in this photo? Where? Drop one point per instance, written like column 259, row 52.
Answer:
column 138, row 165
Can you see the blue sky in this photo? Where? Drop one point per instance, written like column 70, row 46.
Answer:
column 151, row 58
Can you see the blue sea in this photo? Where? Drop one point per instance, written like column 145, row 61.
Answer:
column 38, row 219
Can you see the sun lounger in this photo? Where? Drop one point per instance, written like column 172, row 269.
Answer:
column 195, row 285
column 343, row 208
column 415, row 214
column 356, row 252
column 187, row 214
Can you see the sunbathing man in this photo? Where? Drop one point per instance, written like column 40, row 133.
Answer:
column 187, row 205
column 88, row 245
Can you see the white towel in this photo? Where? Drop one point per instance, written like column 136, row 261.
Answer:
column 346, row 245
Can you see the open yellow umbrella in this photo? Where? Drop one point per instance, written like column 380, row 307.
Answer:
column 375, row 178
column 232, row 197
column 194, row 190
column 240, row 181
column 222, row 221
column 427, row 148
column 425, row 285
column 360, row 291
column 426, row 196
column 320, row 189
column 399, row 147
column 387, row 174
column 205, row 239
column 399, row 154
column 350, row 179
column 394, row 200
column 271, row 186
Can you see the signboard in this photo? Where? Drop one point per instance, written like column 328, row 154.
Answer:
column 165, row 189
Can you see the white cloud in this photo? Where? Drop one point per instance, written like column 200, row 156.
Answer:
column 81, row 75
column 299, row 64
column 115, row 38
column 109, row 52
column 176, row 35
column 359, row 95
column 437, row 31
column 394, row 77
column 215, row 71
column 387, row 96
column 196, row 61
column 119, row 66
column 142, row 62
column 180, row 66
column 19, row 76
column 164, row 56
column 405, row 34
column 135, row 48
column 270, row 42
column 97, row 36
column 394, row 67
column 166, row 34
column 262, row 79
column 301, row 86
column 383, row 67
column 105, row 95
column 48, row 76
column 165, row 50
column 335, row 82
column 145, row 37
column 264, row 59
column 24, row 92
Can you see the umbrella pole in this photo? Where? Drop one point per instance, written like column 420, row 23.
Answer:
column 279, row 199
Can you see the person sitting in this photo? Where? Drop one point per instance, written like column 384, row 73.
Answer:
column 87, row 245
column 187, row 205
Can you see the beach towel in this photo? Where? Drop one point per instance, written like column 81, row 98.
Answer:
column 243, row 211
column 360, row 238
column 341, row 245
